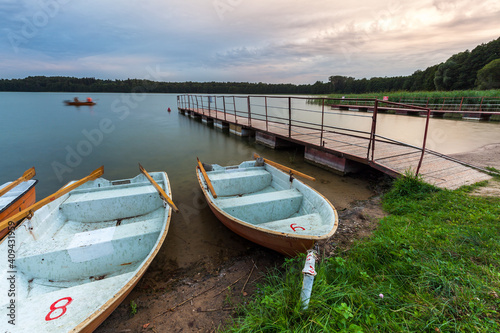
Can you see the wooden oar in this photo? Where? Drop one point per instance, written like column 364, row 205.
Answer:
column 27, row 175
column 209, row 183
column 284, row 168
column 161, row 192
column 29, row 211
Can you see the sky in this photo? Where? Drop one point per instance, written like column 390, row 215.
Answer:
column 271, row 41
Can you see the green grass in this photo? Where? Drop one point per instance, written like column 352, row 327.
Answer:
column 435, row 259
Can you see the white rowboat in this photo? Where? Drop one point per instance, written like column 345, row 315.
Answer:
column 79, row 256
column 268, row 206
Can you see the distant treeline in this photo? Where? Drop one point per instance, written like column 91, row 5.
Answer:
column 476, row 69
column 73, row 84
column 459, row 72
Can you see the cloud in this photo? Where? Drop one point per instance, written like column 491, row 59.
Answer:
column 239, row 40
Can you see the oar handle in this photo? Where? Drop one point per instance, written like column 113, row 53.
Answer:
column 161, row 192
column 204, row 173
column 28, row 211
column 285, row 168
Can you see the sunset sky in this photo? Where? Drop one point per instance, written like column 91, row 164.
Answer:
column 274, row 41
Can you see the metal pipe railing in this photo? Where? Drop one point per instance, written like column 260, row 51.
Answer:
column 279, row 111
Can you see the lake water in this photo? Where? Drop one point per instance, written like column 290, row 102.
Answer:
column 65, row 143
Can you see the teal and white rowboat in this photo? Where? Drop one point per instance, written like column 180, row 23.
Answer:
column 267, row 206
column 80, row 255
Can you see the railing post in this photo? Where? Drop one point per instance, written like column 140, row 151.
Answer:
column 234, row 107
column 371, row 144
column 249, row 112
column 424, row 143
column 197, row 105
column 289, row 117
column 216, row 111
column 209, row 100
column 480, row 105
column 202, row 106
column 224, row 104
column 461, row 102
column 322, row 122
column 265, row 103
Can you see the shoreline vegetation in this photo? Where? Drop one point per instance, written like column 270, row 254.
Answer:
column 431, row 265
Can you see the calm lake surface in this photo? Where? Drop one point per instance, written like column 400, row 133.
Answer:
column 65, row 143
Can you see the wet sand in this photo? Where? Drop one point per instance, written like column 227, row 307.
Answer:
column 486, row 156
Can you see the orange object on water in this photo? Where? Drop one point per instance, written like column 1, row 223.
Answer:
column 89, row 99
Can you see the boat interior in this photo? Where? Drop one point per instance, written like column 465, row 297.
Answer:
column 97, row 236
column 265, row 197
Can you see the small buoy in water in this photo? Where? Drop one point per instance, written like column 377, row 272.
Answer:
column 169, row 110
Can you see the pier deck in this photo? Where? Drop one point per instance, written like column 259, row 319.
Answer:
column 390, row 157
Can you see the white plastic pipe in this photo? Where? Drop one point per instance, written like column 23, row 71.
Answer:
column 308, row 281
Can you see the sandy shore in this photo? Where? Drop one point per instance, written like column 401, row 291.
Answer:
column 486, row 156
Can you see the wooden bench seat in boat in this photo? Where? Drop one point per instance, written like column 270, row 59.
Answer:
column 263, row 207
column 110, row 204
column 237, row 182
column 310, row 224
column 95, row 252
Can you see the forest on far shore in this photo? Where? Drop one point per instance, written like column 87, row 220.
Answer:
column 476, row 69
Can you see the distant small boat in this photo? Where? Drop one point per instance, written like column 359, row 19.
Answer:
column 80, row 255
column 79, row 103
column 267, row 206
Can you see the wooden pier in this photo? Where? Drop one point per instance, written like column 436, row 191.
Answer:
column 339, row 149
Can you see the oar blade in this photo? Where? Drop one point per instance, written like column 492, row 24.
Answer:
column 30, row 173
column 27, row 175
column 37, row 205
column 97, row 173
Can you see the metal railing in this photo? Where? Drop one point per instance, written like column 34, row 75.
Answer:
column 464, row 105
column 303, row 116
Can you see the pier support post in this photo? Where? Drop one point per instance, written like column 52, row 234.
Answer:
column 221, row 124
column 271, row 141
column 331, row 162
column 207, row 120
column 240, row 130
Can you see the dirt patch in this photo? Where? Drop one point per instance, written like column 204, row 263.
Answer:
column 492, row 189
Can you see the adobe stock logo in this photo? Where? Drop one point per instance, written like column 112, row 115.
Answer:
column 31, row 25
column 223, row 6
